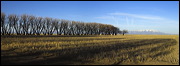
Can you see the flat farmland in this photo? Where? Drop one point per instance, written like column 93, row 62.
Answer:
column 90, row 50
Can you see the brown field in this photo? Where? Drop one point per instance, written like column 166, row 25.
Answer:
column 90, row 50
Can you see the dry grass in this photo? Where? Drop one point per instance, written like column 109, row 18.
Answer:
column 91, row 50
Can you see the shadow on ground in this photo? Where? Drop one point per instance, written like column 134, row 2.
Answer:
column 79, row 55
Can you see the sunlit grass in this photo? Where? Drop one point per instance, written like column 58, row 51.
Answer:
column 103, row 50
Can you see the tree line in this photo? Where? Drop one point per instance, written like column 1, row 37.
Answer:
column 31, row 25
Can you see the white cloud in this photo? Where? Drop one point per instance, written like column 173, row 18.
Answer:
column 133, row 18
column 140, row 22
column 106, row 17
column 138, row 16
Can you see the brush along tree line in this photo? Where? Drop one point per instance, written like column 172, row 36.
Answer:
column 31, row 25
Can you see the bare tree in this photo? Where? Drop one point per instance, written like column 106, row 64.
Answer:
column 24, row 22
column 11, row 24
column 57, row 26
column 53, row 24
column 38, row 25
column 14, row 19
column 124, row 31
column 82, row 29
column 31, row 25
column 64, row 24
column 3, row 24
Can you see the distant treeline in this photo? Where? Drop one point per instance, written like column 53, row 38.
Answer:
column 31, row 25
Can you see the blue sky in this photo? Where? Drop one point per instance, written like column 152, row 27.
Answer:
column 162, row 16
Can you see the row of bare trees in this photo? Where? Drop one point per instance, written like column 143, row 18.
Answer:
column 31, row 25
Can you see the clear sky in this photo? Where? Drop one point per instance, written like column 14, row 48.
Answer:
column 162, row 16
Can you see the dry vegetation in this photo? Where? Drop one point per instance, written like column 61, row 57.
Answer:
column 91, row 50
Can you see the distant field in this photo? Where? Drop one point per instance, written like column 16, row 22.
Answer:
column 90, row 50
